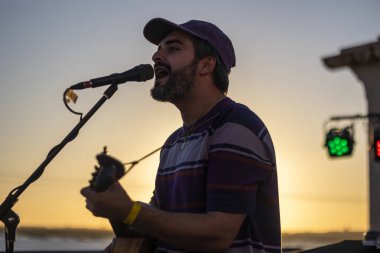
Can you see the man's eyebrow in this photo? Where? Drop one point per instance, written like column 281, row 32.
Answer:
column 172, row 41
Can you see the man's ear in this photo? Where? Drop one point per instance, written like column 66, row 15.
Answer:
column 207, row 65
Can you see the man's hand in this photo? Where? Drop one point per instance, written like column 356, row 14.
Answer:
column 114, row 203
column 213, row 231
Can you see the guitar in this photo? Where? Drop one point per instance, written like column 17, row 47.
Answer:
column 109, row 171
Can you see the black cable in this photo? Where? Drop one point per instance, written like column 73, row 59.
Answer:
column 133, row 163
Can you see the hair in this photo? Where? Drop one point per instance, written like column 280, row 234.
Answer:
column 220, row 76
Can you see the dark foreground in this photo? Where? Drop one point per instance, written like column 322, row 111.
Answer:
column 347, row 242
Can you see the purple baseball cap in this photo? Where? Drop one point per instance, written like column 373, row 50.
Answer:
column 158, row 28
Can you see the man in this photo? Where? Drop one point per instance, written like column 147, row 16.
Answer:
column 216, row 185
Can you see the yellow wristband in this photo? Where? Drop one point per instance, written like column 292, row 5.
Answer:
column 135, row 210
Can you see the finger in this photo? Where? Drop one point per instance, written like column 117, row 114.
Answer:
column 86, row 192
column 115, row 187
column 89, row 206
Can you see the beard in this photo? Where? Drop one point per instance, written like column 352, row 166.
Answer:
column 179, row 84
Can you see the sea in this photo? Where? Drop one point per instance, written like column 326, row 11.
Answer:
column 23, row 243
column 52, row 241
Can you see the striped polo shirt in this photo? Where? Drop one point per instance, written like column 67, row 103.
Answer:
column 225, row 162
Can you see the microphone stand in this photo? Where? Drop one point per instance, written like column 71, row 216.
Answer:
column 7, row 215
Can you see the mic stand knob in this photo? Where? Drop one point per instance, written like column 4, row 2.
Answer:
column 10, row 220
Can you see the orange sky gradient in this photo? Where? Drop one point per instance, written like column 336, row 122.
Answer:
column 46, row 46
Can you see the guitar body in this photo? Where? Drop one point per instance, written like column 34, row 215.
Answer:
column 109, row 171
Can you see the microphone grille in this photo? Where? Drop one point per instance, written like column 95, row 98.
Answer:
column 146, row 72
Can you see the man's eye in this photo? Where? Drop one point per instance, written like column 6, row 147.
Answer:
column 173, row 48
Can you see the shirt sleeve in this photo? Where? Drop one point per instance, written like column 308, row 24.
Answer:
column 240, row 159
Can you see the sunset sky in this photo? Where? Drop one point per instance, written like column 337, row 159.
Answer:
column 46, row 46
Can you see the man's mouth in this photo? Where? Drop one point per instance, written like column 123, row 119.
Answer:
column 161, row 72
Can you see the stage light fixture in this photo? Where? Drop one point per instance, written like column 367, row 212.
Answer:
column 340, row 142
column 376, row 143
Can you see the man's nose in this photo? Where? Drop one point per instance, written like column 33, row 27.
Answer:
column 157, row 56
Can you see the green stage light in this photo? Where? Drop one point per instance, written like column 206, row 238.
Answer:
column 340, row 142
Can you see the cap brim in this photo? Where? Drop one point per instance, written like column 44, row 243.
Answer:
column 158, row 28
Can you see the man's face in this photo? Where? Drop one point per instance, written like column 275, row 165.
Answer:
column 175, row 67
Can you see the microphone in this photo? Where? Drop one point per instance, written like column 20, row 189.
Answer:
column 140, row 73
